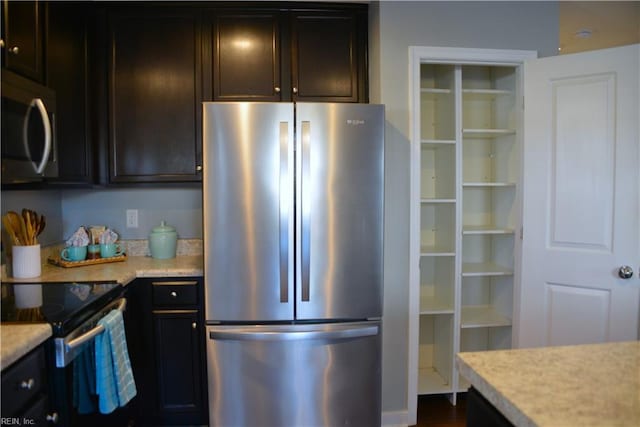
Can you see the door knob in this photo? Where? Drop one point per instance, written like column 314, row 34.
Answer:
column 625, row 272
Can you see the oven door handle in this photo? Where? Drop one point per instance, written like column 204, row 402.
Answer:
column 95, row 331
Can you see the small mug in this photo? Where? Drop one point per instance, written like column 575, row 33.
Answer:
column 93, row 251
column 108, row 250
column 74, row 253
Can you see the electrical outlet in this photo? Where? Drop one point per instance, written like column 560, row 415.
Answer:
column 132, row 218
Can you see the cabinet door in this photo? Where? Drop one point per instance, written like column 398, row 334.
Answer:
column 155, row 96
column 246, row 57
column 179, row 390
column 329, row 57
column 22, row 38
column 67, row 74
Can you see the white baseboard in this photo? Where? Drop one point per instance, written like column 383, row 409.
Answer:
column 395, row 419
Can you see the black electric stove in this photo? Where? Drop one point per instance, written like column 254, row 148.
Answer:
column 65, row 306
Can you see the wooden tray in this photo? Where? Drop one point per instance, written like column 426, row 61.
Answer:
column 56, row 260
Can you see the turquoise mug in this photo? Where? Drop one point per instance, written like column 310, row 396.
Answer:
column 74, row 253
column 108, row 250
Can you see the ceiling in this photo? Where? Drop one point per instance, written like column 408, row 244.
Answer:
column 589, row 25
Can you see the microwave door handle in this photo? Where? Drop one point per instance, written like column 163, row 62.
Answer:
column 44, row 114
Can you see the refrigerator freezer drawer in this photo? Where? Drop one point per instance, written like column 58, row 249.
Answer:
column 295, row 375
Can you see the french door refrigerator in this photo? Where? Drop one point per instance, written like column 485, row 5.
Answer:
column 293, row 236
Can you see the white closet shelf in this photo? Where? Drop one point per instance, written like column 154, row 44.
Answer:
column 429, row 200
column 482, row 316
column 431, row 382
column 436, row 251
column 470, row 184
column 432, row 143
column 432, row 305
column 485, row 94
column 463, row 384
column 486, row 133
column 486, row 229
column 475, row 269
column 436, row 91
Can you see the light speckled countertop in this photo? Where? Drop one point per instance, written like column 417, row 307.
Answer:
column 585, row 385
column 19, row 339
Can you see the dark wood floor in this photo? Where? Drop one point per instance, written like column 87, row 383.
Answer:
column 437, row 411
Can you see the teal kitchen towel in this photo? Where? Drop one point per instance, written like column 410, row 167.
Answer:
column 115, row 385
column 84, row 380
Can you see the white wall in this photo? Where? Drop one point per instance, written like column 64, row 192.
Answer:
column 497, row 25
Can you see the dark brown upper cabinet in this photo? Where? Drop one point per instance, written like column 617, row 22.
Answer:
column 67, row 73
column 246, row 57
column 154, row 84
column 290, row 55
column 22, row 38
column 329, row 56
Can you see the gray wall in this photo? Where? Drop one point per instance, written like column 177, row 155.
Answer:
column 495, row 25
column 45, row 203
column 180, row 208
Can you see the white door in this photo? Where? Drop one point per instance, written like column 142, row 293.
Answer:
column 581, row 199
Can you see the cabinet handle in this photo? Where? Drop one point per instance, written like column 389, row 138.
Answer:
column 194, row 325
column 174, row 294
column 277, row 89
column 199, row 168
column 53, row 417
column 295, row 90
column 28, row 384
column 15, row 50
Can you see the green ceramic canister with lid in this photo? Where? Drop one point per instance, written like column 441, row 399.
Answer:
column 163, row 241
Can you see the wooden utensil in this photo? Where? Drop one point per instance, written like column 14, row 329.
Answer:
column 24, row 229
column 8, row 226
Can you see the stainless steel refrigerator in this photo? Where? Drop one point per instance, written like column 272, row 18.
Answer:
column 293, row 238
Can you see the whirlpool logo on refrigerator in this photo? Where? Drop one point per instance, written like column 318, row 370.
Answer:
column 355, row 122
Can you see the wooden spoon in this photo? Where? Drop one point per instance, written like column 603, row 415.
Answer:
column 18, row 226
column 8, row 226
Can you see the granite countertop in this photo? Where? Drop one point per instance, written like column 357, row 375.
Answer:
column 582, row 385
column 19, row 339
column 123, row 272
column 188, row 262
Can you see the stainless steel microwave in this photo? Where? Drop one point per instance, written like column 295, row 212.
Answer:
column 28, row 114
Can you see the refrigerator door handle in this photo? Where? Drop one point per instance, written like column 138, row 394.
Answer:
column 286, row 208
column 243, row 333
column 306, row 207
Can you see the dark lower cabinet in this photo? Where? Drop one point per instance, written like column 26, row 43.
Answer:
column 25, row 392
column 154, row 85
column 481, row 413
column 178, row 371
column 168, row 355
